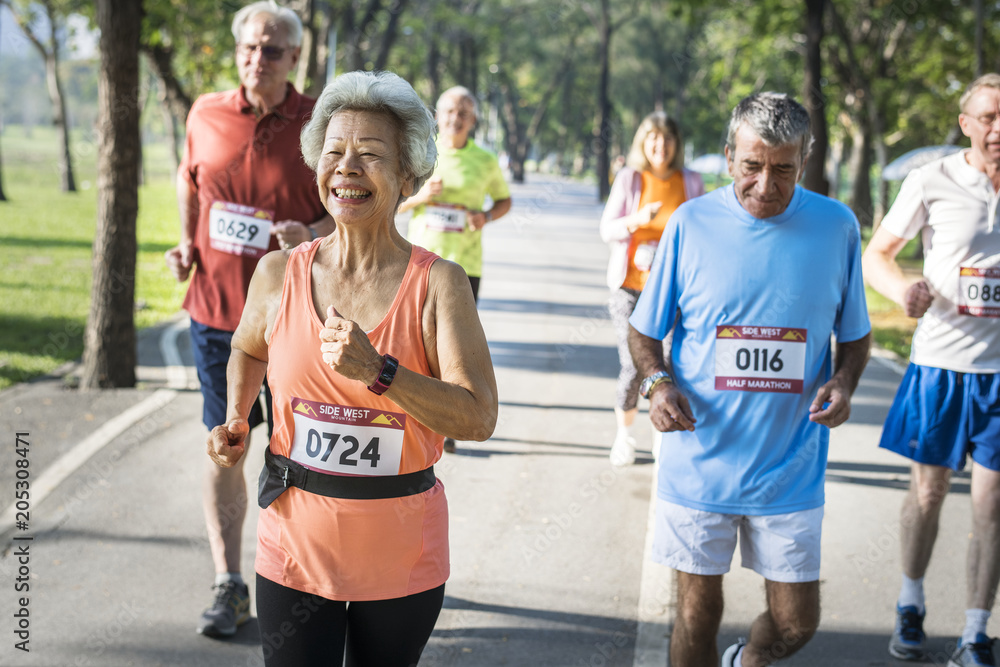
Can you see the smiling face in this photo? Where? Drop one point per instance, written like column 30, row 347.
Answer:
column 980, row 122
column 258, row 73
column 764, row 176
column 456, row 116
column 659, row 149
column 359, row 172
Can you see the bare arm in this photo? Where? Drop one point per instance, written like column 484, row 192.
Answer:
column 884, row 274
column 248, row 360
column 477, row 219
column 852, row 356
column 460, row 400
column 430, row 189
column 669, row 409
column 181, row 257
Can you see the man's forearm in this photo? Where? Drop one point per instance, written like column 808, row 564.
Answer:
column 647, row 353
column 187, row 206
column 852, row 357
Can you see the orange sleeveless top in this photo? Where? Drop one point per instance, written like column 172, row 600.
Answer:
column 643, row 243
column 346, row 549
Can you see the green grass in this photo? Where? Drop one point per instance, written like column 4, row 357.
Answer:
column 45, row 251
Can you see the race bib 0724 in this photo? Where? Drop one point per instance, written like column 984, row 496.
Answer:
column 979, row 291
column 769, row 359
column 239, row 230
column 346, row 440
column 444, row 217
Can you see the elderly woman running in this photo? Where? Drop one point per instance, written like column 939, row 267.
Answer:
column 374, row 352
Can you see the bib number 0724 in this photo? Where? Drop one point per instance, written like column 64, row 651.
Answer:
column 317, row 450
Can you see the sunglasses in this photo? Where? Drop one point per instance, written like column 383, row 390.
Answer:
column 268, row 52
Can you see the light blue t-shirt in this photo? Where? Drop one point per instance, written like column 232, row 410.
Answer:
column 756, row 302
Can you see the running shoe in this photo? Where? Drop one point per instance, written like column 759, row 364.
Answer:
column 908, row 638
column 729, row 657
column 449, row 445
column 977, row 654
column 623, row 451
column 230, row 609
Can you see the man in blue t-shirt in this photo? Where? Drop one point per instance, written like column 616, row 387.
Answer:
column 754, row 279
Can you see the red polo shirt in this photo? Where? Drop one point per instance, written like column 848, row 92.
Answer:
column 247, row 173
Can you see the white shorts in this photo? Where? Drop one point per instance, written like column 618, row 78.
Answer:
column 779, row 547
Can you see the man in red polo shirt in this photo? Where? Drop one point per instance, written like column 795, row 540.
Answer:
column 243, row 190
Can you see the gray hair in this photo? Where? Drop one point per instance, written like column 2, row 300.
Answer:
column 991, row 80
column 281, row 15
column 464, row 92
column 377, row 92
column 774, row 117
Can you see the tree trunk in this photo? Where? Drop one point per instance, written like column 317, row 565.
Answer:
column 390, row 34
column 54, row 86
column 815, row 177
column 109, row 357
column 176, row 102
column 881, row 158
column 860, row 169
column 603, row 126
column 3, row 197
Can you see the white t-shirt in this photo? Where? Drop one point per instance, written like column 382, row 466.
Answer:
column 954, row 206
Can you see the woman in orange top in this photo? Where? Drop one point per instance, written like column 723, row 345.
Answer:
column 644, row 195
column 374, row 353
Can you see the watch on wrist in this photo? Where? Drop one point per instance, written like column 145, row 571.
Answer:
column 389, row 367
column 646, row 386
column 489, row 215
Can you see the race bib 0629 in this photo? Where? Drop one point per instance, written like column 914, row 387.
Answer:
column 770, row 359
column 444, row 217
column 979, row 292
column 346, row 440
column 239, row 230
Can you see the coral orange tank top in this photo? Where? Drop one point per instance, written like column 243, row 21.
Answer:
column 644, row 241
column 345, row 549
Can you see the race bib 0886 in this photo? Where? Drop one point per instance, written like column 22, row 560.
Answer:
column 239, row 230
column 770, row 359
column 979, row 292
column 346, row 440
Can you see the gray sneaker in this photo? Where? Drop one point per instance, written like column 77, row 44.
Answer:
column 977, row 654
column 908, row 639
column 230, row 609
column 729, row 657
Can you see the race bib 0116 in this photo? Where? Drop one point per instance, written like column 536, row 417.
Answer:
column 444, row 217
column 239, row 230
column 346, row 440
column 979, row 291
column 769, row 359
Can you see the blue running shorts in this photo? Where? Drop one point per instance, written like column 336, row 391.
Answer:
column 211, row 349
column 940, row 416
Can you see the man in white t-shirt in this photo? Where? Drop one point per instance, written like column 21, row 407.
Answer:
column 947, row 405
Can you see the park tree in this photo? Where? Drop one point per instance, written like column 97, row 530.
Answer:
column 43, row 22
column 109, row 357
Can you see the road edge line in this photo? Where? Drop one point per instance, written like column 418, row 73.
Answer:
column 652, row 637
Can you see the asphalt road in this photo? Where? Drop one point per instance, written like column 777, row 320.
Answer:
column 548, row 540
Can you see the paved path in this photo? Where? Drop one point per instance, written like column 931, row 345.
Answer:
column 548, row 540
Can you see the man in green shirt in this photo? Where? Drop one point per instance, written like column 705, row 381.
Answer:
column 448, row 213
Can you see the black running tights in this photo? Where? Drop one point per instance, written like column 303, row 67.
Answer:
column 299, row 628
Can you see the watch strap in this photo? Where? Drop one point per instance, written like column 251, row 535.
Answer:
column 389, row 367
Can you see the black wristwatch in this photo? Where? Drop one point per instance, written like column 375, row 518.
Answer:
column 389, row 367
column 648, row 383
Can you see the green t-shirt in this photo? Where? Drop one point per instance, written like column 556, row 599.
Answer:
column 467, row 174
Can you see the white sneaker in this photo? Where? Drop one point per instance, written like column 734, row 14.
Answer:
column 729, row 657
column 623, row 451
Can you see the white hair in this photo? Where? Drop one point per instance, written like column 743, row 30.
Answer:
column 461, row 91
column 281, row 15
column 382, row 92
